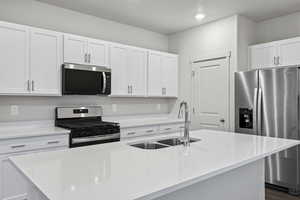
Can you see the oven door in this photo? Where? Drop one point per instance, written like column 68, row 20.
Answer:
column 93, row 140
column 85, row 80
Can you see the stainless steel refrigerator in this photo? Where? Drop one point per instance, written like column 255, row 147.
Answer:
column 267, row 104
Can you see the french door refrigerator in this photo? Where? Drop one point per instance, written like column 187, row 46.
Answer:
column 267, row 104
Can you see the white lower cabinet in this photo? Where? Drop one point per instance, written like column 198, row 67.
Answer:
column 139, row 131
column 171, row 128
column 13, row 184
column 30, row 60
column 151, row 130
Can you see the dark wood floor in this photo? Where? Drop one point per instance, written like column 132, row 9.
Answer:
column 277, row 195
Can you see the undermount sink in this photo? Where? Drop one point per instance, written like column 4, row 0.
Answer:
column 149, row 145
column 176, row 141
column 162, row 143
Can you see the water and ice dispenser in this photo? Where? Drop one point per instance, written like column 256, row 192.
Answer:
column 246, row 118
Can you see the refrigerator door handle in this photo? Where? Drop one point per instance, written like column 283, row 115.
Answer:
column 255, row 111
column 259, row 112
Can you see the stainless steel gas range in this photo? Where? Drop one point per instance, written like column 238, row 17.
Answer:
column 86, row 125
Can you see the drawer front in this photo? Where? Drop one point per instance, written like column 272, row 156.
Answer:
column 171, row 128
column 29, row 144
column 139, row 131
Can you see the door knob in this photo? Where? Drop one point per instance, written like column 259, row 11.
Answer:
column 222, row 120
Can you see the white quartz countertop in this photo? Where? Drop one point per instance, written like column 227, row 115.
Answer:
column 143, row 120
column 117, row 171
column 14, row 130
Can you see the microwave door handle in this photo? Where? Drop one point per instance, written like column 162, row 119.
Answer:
column 104, row 82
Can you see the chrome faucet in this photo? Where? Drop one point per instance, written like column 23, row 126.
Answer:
column 186, row 137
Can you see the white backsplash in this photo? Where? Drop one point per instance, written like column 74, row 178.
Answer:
column 42, row 108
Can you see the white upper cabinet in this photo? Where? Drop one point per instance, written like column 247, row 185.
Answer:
column 75, row 49
column 118, row 61
column 170, row 75
column 85, row 51
column 154, row 74
column 128, row 66
column 45, row 61
column 98, row 52
column 31, row 60
column 162, row 75
column 288, row 52
column 273, row 54
column 137, row 65
column 14, row 60
column 263, row 55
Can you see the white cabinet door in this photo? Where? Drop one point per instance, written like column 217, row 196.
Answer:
column 75, row 49
column 14, row 61
column 45, row 62
column 264, row 55
column 170, row 76
column 154, row 74
column 98, row 53
column 120, row 74
column 136, row 65
column 162, row 75
column 14, row 186
column 288, row 52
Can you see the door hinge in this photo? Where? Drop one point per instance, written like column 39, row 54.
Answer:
column 194, row 111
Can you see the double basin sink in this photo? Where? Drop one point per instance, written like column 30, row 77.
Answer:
column 159, row 144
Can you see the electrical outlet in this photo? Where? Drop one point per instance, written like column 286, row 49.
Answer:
column 14, row 110
column 114, row 107
column 158, row 107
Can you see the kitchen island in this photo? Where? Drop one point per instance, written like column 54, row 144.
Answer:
column 222, row 165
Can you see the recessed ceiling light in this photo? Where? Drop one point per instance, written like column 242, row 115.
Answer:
column 200, row 16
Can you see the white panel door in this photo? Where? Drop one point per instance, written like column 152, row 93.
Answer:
column 211, row 95
column 75, row 49
column 120, row 73
column 14, row 62
column 288, row 52
column 154, row 74
column 98, row 53
column 45, row 62
column 264, row 55
column 170, row 76
column 137, row 64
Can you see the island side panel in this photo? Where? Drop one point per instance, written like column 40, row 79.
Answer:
column 246, row 182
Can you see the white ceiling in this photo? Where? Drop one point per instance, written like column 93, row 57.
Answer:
column 169, row 16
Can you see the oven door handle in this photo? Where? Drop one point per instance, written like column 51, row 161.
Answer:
column 104, row 82
column 95, row 138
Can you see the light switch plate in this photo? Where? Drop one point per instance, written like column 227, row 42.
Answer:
column 14, row 110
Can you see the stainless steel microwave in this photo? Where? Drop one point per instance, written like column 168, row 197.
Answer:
column 85, row 80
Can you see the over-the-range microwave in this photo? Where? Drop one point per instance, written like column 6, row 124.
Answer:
column 85, row 80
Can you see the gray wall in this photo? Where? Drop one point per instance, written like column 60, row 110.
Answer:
column 279, row 28
column 218, row 36
column 30, row 12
